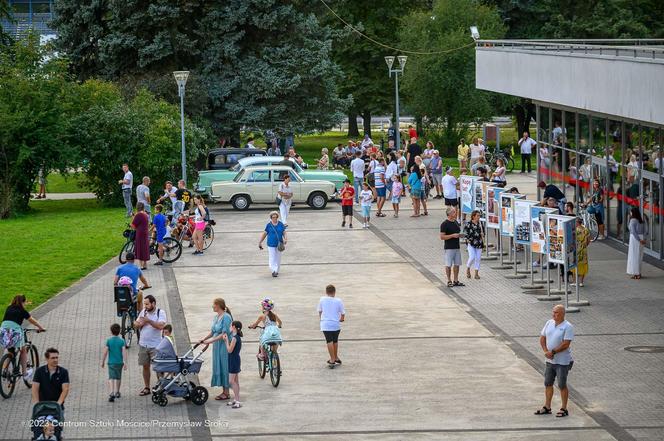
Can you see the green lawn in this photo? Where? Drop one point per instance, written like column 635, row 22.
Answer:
column 55, row 245
column 56, row 183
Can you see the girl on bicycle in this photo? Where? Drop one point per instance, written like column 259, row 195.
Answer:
column 271, row 322
column 11, row 332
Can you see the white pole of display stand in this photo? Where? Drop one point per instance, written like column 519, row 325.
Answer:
column 502, row 265
column 578, row 301
column 533, row 285
column 487, row 256
column 548, row 297
column 560, row 289
column 516, row 274
column 568, row 308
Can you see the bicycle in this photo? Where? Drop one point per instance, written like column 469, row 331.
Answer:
column 492, row 158
column 270, row 363
column 10, row 367
column 589, row 222
column 172, row 247
column 185, row 231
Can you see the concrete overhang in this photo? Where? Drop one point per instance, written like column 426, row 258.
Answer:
column 625, row 82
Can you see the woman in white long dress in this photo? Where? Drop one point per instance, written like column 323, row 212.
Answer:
column 286, row 195
column 638, row 230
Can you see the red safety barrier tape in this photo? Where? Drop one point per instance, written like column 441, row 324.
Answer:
column 654, row 209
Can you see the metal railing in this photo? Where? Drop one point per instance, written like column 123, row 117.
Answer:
column 651, row 49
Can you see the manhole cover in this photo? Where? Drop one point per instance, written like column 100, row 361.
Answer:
column 645, row 349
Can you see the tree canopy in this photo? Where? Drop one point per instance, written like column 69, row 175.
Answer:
column 261, row 64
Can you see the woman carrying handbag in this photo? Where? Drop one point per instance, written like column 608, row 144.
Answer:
column 275, row 232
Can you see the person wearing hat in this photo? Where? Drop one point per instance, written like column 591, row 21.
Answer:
column 271, row 335
column 450, row 185
column 130, row 272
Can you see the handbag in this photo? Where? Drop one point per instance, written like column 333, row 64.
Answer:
column 281, row 246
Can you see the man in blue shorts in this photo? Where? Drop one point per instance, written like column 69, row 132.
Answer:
column 555, row 339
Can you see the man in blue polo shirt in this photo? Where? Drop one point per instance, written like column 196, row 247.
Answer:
column 555, row 339
column 134, row 273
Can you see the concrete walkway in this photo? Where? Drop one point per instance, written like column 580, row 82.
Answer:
column 416, row 363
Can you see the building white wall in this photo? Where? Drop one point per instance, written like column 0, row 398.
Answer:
column 626, row 88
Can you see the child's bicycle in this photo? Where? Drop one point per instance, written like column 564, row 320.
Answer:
column 10, row 367
column 270, row 363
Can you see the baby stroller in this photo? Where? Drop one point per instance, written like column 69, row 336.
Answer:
column 175, row 369
column 47, row 418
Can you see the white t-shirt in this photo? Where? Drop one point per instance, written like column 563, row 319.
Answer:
column 527, row 145
column 287, row 190
column 357, row 167
column 449, row 187
column 476, row 151
column 331, row 308
column 151, row 336
column 366, row 197
column 142, row 194
column 392, row 169
column 554, row 338
column 128, row 177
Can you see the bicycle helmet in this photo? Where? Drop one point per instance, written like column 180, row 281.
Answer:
column 125, row 281
column 267, row 305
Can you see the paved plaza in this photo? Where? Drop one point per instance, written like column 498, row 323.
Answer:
column 420, row 360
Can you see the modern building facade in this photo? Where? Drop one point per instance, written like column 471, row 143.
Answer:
column 599, row 115
column 27, row 15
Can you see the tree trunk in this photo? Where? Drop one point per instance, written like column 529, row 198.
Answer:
column 524, row 112
column 353, row 131
column 366, row 122
column 419, row 128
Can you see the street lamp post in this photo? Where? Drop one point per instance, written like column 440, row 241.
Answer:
column 181, row 78
column 402, row 62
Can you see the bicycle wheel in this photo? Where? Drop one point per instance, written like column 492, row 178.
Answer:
column 262, row 367
column 7, row 378
column 33, row 363
column 127, row 330
column 208, row 236
column 172, row 250
column 127, row 248
column 275, row 371
column 593, row 228
column 509, row 163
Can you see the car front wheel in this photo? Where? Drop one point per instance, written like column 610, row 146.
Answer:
column 318, row 200
column 241, row 202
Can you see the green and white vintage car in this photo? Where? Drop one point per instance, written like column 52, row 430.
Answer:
column 259, row 185
column 207, row 177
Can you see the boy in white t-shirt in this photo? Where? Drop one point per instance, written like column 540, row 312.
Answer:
column 331, row 313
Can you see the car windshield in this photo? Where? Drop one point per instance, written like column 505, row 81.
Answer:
column 238, row 176
column 237, row 167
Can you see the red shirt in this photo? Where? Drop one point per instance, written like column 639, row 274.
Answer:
column 412, row 133
column 347, row 196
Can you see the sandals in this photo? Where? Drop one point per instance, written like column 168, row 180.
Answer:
column 468, row 273
column 543, row 411
column 236, row 405
column 562, row 413
column 450, row 284
column 477, row 277
column 458, row 284
column 144, row 392
column 221, row 397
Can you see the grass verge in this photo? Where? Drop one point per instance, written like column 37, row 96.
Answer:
column 55, row 245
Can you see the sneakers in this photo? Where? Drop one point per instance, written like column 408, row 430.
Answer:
column 28, row 375
column 117, row 395
column 274, row 274
column 111, row 398
column 536, row 264
column 197, row 253
column 159, row 263
column 350, row 226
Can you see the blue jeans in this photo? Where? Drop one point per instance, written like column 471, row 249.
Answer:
column 357, row 185
column 126, row 196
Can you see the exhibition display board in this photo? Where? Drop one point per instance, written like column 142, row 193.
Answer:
column 538, row 233
column 507, row 212
column 481, row 197
column 493, row 206
column 522, row 227
column 561, row 232
column 467, row 189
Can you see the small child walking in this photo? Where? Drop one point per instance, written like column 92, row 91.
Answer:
column 347, row 194
column 397, row 191
column 234, row 346
column 366, row 198
column 331, row 313
column 116, row 352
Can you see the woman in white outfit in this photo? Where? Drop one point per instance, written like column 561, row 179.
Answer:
column 275, row 232
column 475, row 239
column 286, row 195
column 638, row 231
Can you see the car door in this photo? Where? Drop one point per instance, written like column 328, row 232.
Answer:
column 295, row 183
column 259, row 186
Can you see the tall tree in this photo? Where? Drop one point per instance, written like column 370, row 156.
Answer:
column 263, row 64
column 363, row 61
column 441, row 86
